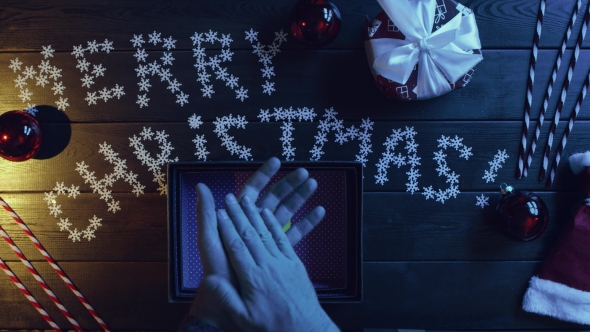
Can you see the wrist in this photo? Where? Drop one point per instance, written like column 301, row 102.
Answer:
column 201, row 311
column 325, row 324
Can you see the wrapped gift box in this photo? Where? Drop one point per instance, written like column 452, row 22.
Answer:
column 331, row 253
column 423, row 64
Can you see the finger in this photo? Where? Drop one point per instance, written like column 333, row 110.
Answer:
column 280, row 190
column 301, row 228
column 210, row 247
column 259, row 180
column 238, row 253
column 277, row 233
column 223, row 293
column 291, row 205
column 251, row 212
column 245, row 229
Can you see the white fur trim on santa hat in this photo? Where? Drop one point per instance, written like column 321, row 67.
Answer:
column 579, row 160
column 546, row 297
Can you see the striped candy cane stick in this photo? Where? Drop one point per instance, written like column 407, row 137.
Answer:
column 568, row 130
column 54, row 265
column 28, row 295
column 566, row 86
column 40, row 280
column 529, row 91
column 556, row 66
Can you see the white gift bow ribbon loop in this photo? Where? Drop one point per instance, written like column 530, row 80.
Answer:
column 441, row 54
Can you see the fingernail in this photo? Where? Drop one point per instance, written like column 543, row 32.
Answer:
column 222, row 214
column 246, row 200
column 230, row 199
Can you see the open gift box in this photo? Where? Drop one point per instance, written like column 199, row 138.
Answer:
column 331, row 253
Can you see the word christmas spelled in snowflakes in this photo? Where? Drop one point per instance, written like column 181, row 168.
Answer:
column 402, row 139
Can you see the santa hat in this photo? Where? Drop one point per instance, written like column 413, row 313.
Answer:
column 562, row 288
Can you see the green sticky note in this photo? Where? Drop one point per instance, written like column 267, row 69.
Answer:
column 287, row 226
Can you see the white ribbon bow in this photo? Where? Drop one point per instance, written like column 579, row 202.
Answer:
column 442, row 55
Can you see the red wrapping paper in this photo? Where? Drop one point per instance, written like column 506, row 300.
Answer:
column 383, row 27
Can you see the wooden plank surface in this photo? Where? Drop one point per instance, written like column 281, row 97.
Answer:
column 447, row 296
column 497, row 21
column 128, row 296
column 424, row 231
column 471, row 295
column 496, row 91
column 86, row 138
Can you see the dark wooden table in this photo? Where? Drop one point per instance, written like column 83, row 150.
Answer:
column 426, row 265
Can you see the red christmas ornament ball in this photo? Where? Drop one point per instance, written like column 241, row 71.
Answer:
column 523, row 215
column 20, row 136
column 315, row 22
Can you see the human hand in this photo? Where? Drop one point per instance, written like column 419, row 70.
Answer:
column 275, row 199
column 212, row 255
column 275, row 292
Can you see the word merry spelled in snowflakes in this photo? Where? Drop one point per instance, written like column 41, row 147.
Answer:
column 206, row 67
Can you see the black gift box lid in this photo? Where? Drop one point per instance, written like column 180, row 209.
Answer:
column 331, row 253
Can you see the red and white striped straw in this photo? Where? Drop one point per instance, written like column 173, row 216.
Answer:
column 566, row 85
column 529, row 91
column 556, row 66
column 28, row 295
column 568, row 130
column 54, row 265
column 40, row 280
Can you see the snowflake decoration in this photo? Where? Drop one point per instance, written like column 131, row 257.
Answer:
column 32, row 109
column 265, row 55
column 482, row 201
column 268, row 87
column 287, row 115
column 182, row 99
column 429, row 193
column 330, row 123
column 169, row 43
column 74, row 235
column 489, row 176
column 443, row 169
column 25, row 95
column 389, row 158
column 154, row 164
column 42, row 78
column 154, row 38
column 64, row 224
column 142, row 100
column 155, row 68
column 97, row 71
column 15, row 65
column 222, row 126
column 202, row 63
column 47, row 52
column 195, row 122
column 495, row 165
column 120, row 171
column 137, row 41
column 241, row 94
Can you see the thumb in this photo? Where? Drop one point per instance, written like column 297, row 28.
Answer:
column 226, row 296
